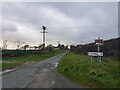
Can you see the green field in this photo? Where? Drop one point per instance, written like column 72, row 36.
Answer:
column 79, row 69
column 30, row 57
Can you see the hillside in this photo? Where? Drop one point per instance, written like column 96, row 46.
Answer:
column 109, row 48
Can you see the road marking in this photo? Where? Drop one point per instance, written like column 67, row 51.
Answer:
column 53, row 82
column 51, row 68
column 56, row 64
column 6, row 71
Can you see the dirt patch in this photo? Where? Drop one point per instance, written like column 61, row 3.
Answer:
column 18, row 66
column 28, row 62
column 7, row 61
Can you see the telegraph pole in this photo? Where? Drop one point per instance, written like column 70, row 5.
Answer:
column 44, row 28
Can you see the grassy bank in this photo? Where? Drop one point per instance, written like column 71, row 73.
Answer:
column 11, row 62
column 79, row 69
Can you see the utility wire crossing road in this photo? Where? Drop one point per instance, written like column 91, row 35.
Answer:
column 38, row 75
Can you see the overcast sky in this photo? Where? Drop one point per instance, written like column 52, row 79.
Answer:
column 67, row 22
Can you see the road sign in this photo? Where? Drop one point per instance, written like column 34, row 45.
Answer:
column 99, row 41
column 95, row 53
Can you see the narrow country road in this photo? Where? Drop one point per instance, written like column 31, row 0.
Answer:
column 38, row 75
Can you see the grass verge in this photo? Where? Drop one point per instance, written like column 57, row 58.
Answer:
column 79, row 69
column 11, row 62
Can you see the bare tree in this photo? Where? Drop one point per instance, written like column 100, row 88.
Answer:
column 18, row 44
column 25, row 47
column 41, row 46
column 50, row 47
column 5, row 44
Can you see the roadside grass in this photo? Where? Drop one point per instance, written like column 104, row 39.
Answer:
column 26, row 58
column 79, row 69
column 9, row 65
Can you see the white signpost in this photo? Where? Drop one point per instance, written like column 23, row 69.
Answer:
column 98, row 54
column 95, row 53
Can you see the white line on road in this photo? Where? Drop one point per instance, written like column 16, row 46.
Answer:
column 6, row 71
column 53, row 82
column 56, row 64
column 51, row 68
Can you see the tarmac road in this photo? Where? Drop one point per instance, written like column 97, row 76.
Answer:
column 38, row 75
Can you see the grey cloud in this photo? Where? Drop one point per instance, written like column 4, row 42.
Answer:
column 9, row 27
column 72, row 22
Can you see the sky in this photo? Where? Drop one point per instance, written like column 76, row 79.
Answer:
column 71, row 23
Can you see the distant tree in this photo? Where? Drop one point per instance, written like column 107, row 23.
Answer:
column 35, row 47
column 50, row 47
column 61, row 46
column 42, row 46
column 66, row 47
column 5, row 44
column 25, row 47
column 18, row 44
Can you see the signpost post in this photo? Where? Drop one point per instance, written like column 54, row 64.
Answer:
column 99, row 42
column 99, row 54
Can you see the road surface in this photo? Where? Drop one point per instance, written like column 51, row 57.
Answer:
column 38, row 75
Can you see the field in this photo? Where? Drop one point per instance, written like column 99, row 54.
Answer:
column 79, row 69
column 17, row 58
